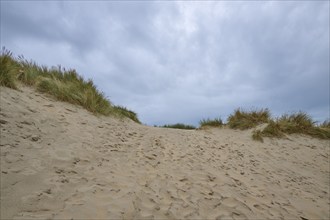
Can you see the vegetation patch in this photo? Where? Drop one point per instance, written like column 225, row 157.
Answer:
column 9, row 69
column 124, row 112
column 179, row 126
column 302, row 123
column 296, row 123
column 248, row 119
column 69, row 86
column 64, row 85
column 257, row 135
column 217, row 122
column 273, row 129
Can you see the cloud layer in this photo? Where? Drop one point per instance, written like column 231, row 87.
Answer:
column 183, row 61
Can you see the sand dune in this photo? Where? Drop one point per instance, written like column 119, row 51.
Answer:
column 59, row 161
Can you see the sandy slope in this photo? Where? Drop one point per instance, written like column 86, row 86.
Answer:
column 59, row 161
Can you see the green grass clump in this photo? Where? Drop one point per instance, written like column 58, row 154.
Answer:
column 30, row 72
column 123, row 111
column 317, row 132
column 217, row 122
column 64, row 85
column 273, row 129
column 8, row 69
column 179, row 126
column 244, row 120
column 257, row 135
column 79, row 93
column 296, row 123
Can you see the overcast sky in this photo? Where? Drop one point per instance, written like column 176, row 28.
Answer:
column 183, row 61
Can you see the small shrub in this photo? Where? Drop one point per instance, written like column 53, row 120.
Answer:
column 244, row 120
column 179, row 126
column 217, row 122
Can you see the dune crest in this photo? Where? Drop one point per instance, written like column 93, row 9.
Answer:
column 59, row 161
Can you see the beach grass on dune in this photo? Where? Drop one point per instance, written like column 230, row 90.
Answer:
column 301, row 123
column 64, row 85
column 124, row 112
column 242, row 119
column 179, row 126
column 295, row 123
column 69, row 86
column 257, row 135
column 216, row 122
column 9, row 69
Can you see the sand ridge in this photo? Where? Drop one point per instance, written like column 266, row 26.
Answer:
column 59, row 161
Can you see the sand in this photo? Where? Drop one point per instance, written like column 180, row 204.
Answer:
column 59, row 161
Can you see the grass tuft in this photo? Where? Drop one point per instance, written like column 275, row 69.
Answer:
column 8, row 69
column 296, row 123
column 179, row 126
column 217, row 122
column 257, row 135
column 273, row 129
column 64, row 85
column 123, row 111
column 244, row 120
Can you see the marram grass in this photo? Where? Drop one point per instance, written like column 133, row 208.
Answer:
column 217, row 122
column 242, row 119
column 8, row 70
column 179, row 126
column 257, row 135
column 124, row 112
column 296, row 123
column 69, row 86
column 64, row 85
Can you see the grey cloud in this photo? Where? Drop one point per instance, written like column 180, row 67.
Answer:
column 182, row 61
column 51, row 22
